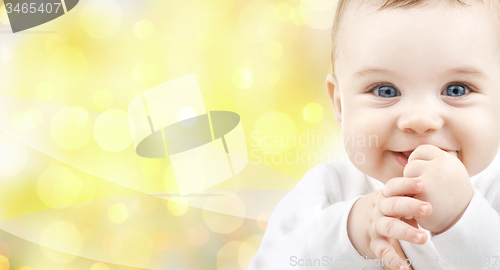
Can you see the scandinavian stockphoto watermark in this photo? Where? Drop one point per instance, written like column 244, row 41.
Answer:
column 426, row 263
column 324, row 146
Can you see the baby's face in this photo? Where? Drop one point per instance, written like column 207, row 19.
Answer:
column 418, row 76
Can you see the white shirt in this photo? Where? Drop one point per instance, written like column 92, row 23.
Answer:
column 307, row 230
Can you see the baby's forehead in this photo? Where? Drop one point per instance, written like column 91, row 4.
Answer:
column 358, row 14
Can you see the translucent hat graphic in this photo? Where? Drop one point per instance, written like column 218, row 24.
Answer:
column 28, row 14
column 205, row 147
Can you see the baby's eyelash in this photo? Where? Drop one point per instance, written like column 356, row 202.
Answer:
column 464, row 84
column 375, row 86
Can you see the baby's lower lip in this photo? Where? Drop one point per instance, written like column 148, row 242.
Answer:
column 400, row 158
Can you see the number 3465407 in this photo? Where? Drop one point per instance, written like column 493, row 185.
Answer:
column 33, row 8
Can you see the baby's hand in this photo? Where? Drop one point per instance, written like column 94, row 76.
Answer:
column 374, row 222
column 448, row 187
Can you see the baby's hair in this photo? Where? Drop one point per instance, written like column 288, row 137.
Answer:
column 344, row 6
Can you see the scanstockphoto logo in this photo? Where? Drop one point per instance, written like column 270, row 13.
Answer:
column 26, row 14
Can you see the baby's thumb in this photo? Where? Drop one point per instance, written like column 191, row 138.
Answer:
column 454, row 153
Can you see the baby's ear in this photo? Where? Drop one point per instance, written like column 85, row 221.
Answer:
column 334, row 94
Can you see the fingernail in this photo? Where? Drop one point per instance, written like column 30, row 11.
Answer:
column 418, row 185
column 419, row 236
column 423, row 208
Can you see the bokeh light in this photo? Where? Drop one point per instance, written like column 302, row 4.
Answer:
column 4, row 19
column 313, row 113
column 176, row 209
column 199, row 235
column 257, row 21
column 99, row 266
column 223, row 223
column 274, row 132
column 102, row 99
column 12, row 157
column 71, row 128
column 101, row 19
column 61, row 241
column 118, row 213
column 242, row 78
column 160, row 241
column 151, row 166
column 131, row 247
column 213, row 8
column 58, row 186
column 144, row 29
column 67, row 67
column 4, row 263
column 112, row 130
column 45, row 90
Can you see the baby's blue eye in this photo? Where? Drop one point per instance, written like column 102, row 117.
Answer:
column 386, row 91
column 455, row 90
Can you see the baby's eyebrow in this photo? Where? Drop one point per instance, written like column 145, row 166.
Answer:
column 471, row 71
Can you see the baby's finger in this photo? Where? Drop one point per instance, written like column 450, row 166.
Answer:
column 415, row 168
column 425, row 152
column 397, row 229
column 404, row 207
column 384, row 250
column 401, row 186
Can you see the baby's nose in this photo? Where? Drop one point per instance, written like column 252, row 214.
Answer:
column 420, row 120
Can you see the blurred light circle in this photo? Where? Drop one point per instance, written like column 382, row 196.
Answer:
column 4, row 263
column 4, row 19
column 58, row 186
column 145, row 73
column 246, row 252
column 61, row 241
column 242, row 78
column 199, row 235
column 25, row 268
column 131, row 247
column 317, row 19
column 224, row 223
column 13, row 156
column 213, row 8
column 70, row 128
column 67, row 67
column 151, row 166
column 99, row 266
column 263, row 219
column 186, row 113
column 101, row 19
column 228, row 256
column 144, row 29
column 283, row 12
column 160, row 241
column 257, row 21
column 313, row 113
column 112, row 130
column 169, row 180
column 30, row 119
column 102, row 99
column 176, row 209
column 275, row 132
column 296, row 16
column 273, row 49
column 4, row 249
column 118, row 213
column 319, row 5
column 45, row 90
column 54, row 42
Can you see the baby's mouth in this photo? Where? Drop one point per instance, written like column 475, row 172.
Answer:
column 407, row 153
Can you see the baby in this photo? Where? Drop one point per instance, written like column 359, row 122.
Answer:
column 423, row 77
